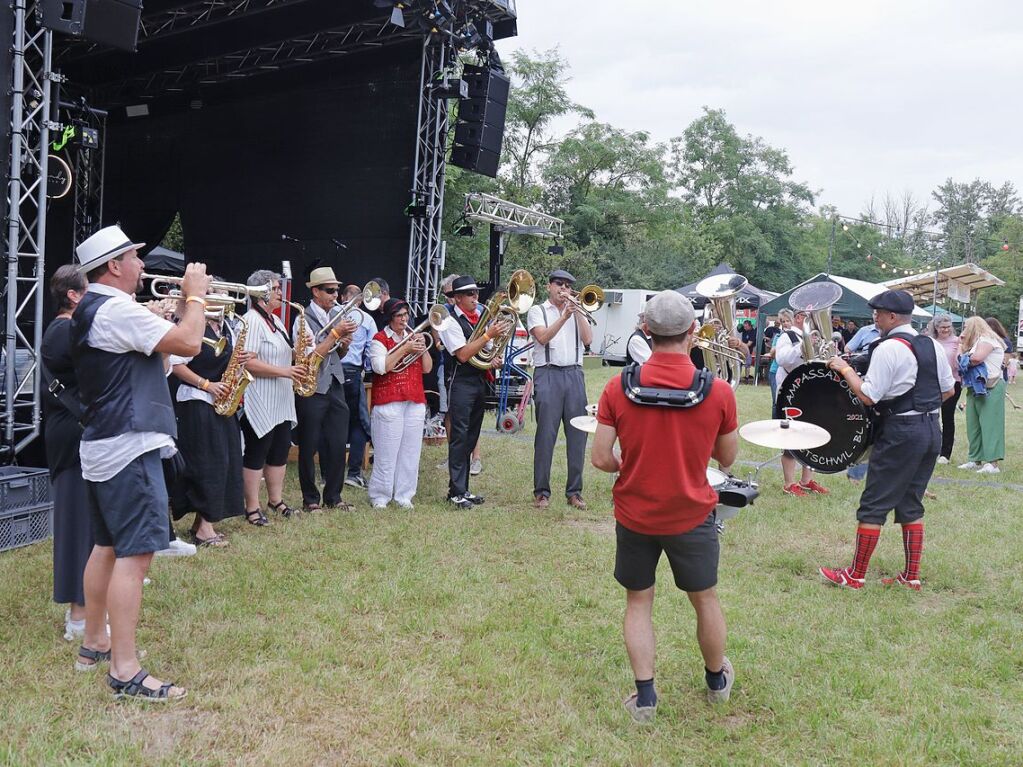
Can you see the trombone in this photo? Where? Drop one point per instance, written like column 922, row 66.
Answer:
column 221, row 293
column 369, row 299
column 587, row 301
column 435, row 321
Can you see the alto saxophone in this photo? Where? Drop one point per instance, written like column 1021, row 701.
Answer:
column 235, row 378
column 304, row 357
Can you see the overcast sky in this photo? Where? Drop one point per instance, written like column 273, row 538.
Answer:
column 865, row 97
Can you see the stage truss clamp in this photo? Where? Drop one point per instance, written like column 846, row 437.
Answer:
column 26, row 229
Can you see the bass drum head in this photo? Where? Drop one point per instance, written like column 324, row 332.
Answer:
column 716, row 478
column 816, row 394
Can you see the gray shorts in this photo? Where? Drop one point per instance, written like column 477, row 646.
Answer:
column 129, row 510
column 693, row 557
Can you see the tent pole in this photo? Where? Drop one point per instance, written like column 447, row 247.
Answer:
column 831, row 242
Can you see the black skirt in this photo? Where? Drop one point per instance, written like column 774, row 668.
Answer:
column 72, row 536
column 211, row 445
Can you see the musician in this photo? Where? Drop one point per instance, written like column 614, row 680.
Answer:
column 353, row 364
column 662, row 500
column 638, row 348
column 789, row 354
column 323, row 417
column 117, row 347
column 467, row 385
column 399, row 408
column 907, row 379
column 385, row 295
column 269, row 414
column 211, row 485
column 561, row 330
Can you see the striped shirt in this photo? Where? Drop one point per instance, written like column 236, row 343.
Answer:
column 268, row 401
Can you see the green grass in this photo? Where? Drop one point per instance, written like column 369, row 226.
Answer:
column 493, row 637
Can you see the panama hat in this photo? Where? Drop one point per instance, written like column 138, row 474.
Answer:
column 322, row 276
column 106, row 244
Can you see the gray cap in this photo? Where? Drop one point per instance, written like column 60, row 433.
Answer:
column 669, row 313
column 897, row 301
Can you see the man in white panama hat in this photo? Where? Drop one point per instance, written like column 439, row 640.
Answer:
column 117, row 346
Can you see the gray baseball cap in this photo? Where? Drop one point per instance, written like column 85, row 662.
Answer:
column 669, row 313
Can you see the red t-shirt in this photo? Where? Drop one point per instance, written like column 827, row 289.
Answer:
column 662, row 488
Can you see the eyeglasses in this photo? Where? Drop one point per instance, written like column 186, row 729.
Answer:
column 561, row 283
column 332, row 291
column 467, row 293
column 276, row 289
column 401, row 316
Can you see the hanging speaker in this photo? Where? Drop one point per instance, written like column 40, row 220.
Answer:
column 108, row 22
column 479, row 133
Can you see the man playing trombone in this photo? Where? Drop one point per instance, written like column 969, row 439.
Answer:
column 325, row 413
column 561, row 328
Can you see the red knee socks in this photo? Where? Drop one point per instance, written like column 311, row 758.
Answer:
column 866, row 542
column 913, row 543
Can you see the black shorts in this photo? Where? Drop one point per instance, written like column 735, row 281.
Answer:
column 269, row 450
column 693, row 557
column 129, row 510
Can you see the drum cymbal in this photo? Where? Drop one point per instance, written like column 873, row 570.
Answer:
column 783, row 434
column 587, row 423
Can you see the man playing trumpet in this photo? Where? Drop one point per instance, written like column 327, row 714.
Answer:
column 561, row 330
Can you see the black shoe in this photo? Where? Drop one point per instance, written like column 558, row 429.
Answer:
column 461, row 502
column 475, row 500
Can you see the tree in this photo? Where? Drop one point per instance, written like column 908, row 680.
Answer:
column 968, row 215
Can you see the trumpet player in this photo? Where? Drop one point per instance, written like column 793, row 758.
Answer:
column 466, row 385
column 325, row 413
column 561, row 330
column 399, row 407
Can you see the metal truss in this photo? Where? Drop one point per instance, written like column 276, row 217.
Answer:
column 26, row 229
column 426, row 247
column 188, row 17
column 306, row 49
column 88, row 168
column 509, row 217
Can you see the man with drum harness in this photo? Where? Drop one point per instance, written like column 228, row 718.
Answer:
column 789, row 354
column 669, row 419
column 907, row 378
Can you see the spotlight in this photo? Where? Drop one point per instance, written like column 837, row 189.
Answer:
column 465, row 230
column 416, row 209
column 556, row 250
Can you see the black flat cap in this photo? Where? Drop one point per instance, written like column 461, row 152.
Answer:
column 463, row 284
column 898, row 301
column 561, row 274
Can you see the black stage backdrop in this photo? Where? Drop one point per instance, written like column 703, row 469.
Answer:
column 318, row 152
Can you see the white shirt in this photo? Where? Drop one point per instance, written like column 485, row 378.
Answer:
column 378, row 352
column 268, row 401
column 121, row 326
column 451, row 334
column 788, row 354
column 565, row 349
column 639, row 349
column 893, row 370
column 993, row 361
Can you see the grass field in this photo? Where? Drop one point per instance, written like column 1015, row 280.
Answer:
column 436, row 637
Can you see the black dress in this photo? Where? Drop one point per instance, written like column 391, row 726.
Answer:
column 72, row 528
column 211, row 484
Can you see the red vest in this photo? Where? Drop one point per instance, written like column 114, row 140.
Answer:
column 406, row 386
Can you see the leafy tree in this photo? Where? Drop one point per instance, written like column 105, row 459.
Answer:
column 968, row 215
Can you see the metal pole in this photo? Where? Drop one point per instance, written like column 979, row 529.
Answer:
column 831, row 242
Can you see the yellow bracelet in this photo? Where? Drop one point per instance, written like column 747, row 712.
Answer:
column 197, row 299
column 337, row 336
column 204, row 384
column 842, row 371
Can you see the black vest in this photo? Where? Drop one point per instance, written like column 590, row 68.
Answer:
column 206, row 364
column 451, row 364
column 629, row 359
column 121, row 392
column 925, row 395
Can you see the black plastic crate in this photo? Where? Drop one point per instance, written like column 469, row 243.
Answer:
column 23, row 488
column 25, row 526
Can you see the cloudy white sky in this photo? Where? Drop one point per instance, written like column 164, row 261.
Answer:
column 866, row 97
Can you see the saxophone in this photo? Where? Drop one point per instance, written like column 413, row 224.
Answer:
column 235, row 377
column 310, row 360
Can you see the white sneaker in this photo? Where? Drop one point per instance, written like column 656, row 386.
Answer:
column 989, row 468
column 722, row 696
column 379, row 504
column 73, row 629
column 942, row 459
column 969, row 465
column 476, row 467
column 177, row 548
column 405, row 505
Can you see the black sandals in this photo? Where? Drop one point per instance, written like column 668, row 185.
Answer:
column 256, row 517
column 134, row 688
column 283, row 509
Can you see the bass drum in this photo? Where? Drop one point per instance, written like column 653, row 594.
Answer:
column 816, row 394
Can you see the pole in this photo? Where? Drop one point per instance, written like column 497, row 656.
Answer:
column 831, row 242
column 496, row 256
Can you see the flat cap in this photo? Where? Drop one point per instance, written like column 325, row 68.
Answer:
column 897, row 301
column 669, row 313
column 561, row 274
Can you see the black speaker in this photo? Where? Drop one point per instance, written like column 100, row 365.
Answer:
column 109, row 22
column 489, row 137
column 486, row 83
column 476, row 159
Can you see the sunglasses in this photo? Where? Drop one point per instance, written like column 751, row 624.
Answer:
column 331, row 291
column 561, row 283
column 467, row 293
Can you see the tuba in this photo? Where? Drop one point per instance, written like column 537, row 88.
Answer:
column 816, row 300
column 235, row 377
column 503, row 305
column 304, row 356
column 721, row 292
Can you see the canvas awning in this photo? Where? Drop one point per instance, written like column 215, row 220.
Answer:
column 956, row 282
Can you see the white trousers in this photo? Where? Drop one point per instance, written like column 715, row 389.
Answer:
column 397, row 444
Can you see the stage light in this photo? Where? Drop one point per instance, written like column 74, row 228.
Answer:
column 465, row 230
column 556, row 250
column 845, row 227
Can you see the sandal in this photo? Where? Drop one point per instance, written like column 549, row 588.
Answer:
column 256, row 517
column 283, row 509
column 217, row 541
column 96, row 656
column 134, row 688
column 310, row 507
column 341, row 506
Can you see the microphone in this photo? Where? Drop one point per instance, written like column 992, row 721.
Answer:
column 338, row 243
column 289, row 238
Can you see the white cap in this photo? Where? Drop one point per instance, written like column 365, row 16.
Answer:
column 669, row 313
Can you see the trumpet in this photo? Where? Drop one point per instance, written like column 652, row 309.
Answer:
column 587, row 301
column 435, row 320
column 217, row 346
column 221, row 293
column 369, row 299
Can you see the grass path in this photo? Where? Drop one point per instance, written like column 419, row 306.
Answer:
column 493, row 637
